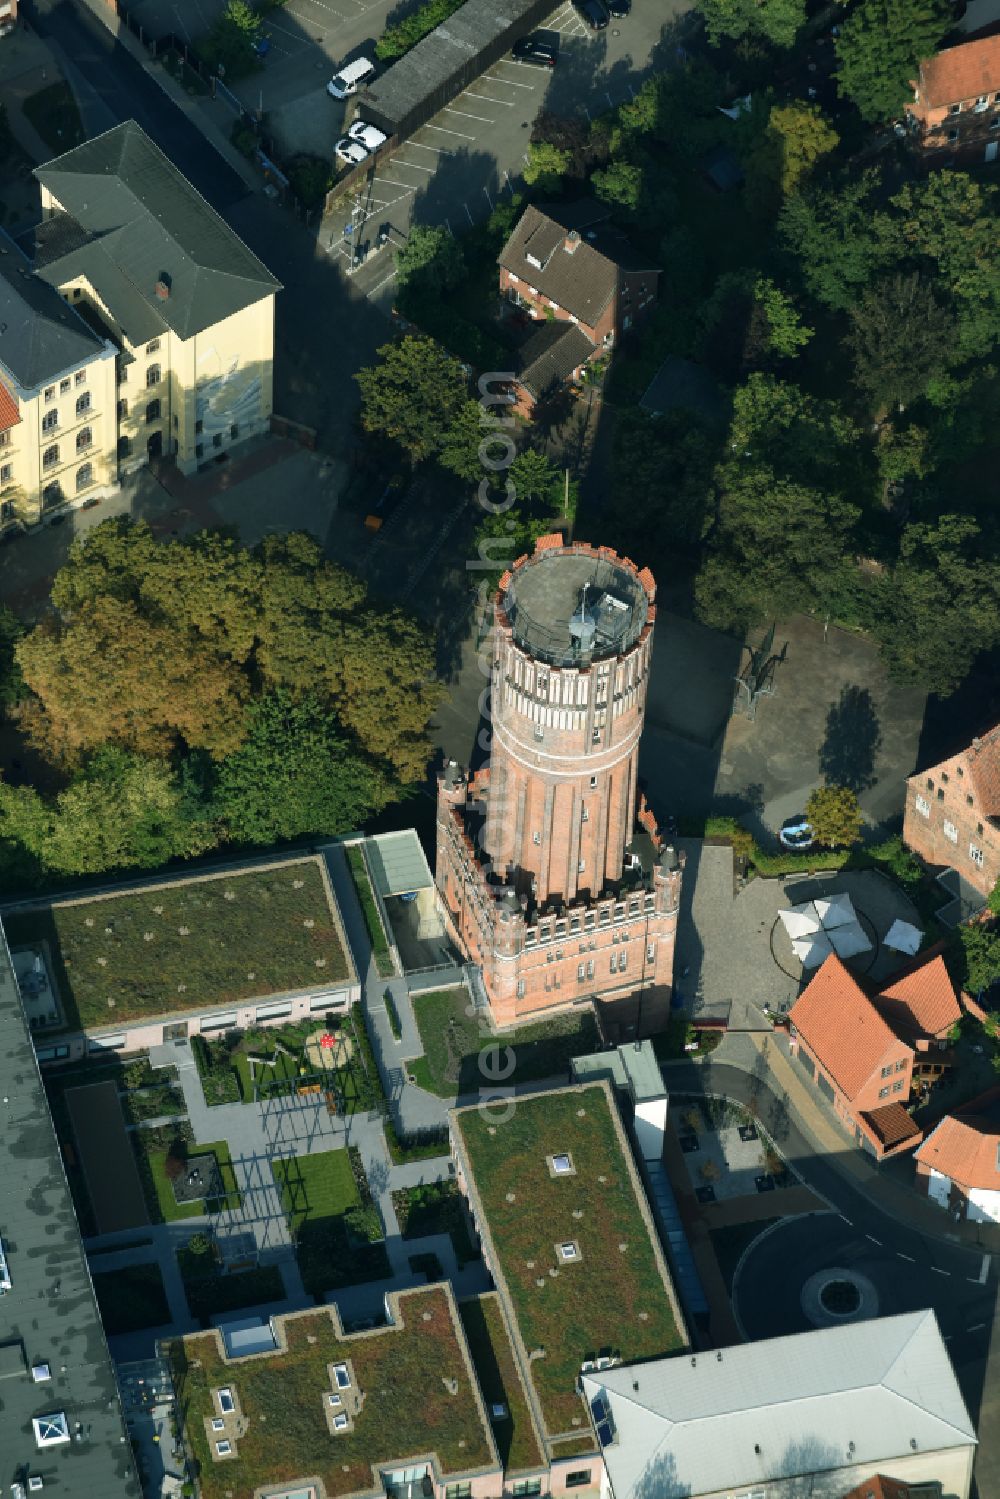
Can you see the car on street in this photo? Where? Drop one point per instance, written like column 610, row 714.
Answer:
column 368, row 135
column 593, row 12
column 796, row 833
column 532, row 49
column 353, row 152
column 620, row 8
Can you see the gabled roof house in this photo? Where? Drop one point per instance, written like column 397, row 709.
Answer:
column 864, row 1051
column 952, row 821
column 955, row 113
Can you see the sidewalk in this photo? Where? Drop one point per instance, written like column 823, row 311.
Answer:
column 819, row 1127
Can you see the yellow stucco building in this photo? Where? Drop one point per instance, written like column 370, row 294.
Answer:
column 136, row 325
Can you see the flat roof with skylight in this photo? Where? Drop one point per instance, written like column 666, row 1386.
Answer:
column 570, row 1241
column 334, row 1409
column 61, row 1424
column 169, row 947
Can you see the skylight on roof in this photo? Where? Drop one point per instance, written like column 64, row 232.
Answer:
column 340, row 1422
column 569, row 1251
column 226, row 1401
column 40, row 1373
column 562, row 1165
column 342, row 1376
column 51, row 1430
column 4, row 1272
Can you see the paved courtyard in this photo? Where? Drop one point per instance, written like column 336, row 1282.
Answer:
column 726, row 1159
column 726, row 963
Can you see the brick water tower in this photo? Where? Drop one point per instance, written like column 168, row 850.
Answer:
column 551, row 873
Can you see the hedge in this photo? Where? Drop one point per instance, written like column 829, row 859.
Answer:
column 397, row 40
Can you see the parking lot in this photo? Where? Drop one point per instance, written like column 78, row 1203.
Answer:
column 454, row 168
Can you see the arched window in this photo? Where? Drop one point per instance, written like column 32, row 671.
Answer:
column 153, row 375
column 84, row 438
column 83, row 403
column 52, row 494
column 51, row 456
column 84, row 476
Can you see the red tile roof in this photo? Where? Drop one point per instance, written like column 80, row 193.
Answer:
column 880, row 1487
column 841, row 1027
column 982, row 760
column 10, row 412
column 962, row 72
column 890, row 1126
column 921, row 1001
column 965, row 1149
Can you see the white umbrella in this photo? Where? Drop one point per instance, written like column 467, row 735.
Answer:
column 835, row 910
column 902, row 937
column 800, row 921
column 812, row 951
column 849, row 940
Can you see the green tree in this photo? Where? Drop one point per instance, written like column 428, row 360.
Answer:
column 119, row 811
column 979, row 963
column 834, row 816
column 879, row 49
column 901, row 454
column 798, row 136
column 536, row 478
column 900, row 338
column 829, row 230
column 774, row 21
column 993, row 899
column 460, row 447
column 749, row 324
column 778, row 547
column 620, row 183
column 776, row 422
column 940, row 605
column 11, row 681
column 294, row 775
column 413, row 396
column 229, row 44
column 662, row 497
column 430, row 262
column 546, row 166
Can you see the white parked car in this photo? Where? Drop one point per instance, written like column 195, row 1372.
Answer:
column 368, row 135
column 350, row 151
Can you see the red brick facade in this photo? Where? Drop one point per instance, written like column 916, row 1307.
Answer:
column 955, row 114
column 540, row 861
column 636, row 296
column 951, row 812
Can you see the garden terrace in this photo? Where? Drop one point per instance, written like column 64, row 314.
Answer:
column 196, row 944
column 420, row 1401
column 557, row 1171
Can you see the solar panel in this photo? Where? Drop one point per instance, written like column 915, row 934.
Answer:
column 599, row 1408
column 604, row 1434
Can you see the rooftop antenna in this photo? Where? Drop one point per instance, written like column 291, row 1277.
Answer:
column 583, row 628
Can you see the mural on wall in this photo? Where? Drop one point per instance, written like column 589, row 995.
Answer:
column 227, row 394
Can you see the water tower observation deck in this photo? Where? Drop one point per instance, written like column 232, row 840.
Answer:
column 572, row 605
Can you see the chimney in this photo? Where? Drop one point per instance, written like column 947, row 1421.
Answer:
column 572, row 241
column 162, row 287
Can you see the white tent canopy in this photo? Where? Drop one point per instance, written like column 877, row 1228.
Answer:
column 902, row 937
column 821, row 927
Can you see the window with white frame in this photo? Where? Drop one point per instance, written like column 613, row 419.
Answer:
column 50, row 1430
column 6, row 472
column 562, row 1164
column 218, row 1424
column 80, row 378
column 224, row 1448
column 950, row 831
column 50, row 421
column 83, row 403
column 340, row 1422
column 50, row 393
column 923, row 806
column 976, row 855
column 569, row 1250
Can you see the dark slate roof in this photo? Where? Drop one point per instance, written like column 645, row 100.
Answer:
column 49, row 1316
column 551, row 355
column 40, row 336
column 584, row 280
column 142, row 222
column 681, row 385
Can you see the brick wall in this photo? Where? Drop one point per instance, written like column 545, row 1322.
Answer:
column 942, row 823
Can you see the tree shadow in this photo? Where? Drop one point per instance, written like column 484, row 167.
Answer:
column 853, row 738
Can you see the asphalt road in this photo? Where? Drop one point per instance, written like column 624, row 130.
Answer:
column 909, row 1270
column 116, row 89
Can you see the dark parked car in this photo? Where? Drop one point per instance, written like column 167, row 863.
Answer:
column 619, row 8
column 593, row 12
column 533, row 49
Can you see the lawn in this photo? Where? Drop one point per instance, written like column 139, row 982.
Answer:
column 615, row 1294
column 152, row 1146
column 54, row 114
column 500, row 1382
column 370, row 911
column 193, row 945
column 420, row 1399
column 336, row 1227
column 210, row 1293
column 131, row 1298
column 435, row 1208
column 453, row 1038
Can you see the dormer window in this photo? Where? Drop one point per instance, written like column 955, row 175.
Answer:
column 533, row 260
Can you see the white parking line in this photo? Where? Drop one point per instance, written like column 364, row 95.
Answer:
column 483, row 119
column 411, row 166
column 489, row 99
column 510, row 82
column 977, row 1327
column 938, row 1271
column 873, row 1239
column 438, row 150
column 444, row 131
column 903, row 1256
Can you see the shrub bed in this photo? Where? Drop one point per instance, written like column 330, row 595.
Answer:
column 395, row 1024
column 397, row 40
column 370, row 911
column 422, row 1145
